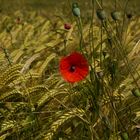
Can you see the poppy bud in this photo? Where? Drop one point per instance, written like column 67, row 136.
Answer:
column 124, row 136
column 67, row 26
column 135, row 92
column 75, row 9
column 101, row 14
column 115, row 15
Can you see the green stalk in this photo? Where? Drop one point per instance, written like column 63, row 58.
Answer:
column 98, row 4
column 101, row 44
column 123, row 24
column 81, row 33
column 65, row 43
column 92, row 46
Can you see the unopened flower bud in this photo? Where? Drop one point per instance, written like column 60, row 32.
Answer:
column 101, row 14
column 67, row 26
column 115, row 15
column 76, row 9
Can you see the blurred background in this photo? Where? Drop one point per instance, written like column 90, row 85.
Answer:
column 51, row 7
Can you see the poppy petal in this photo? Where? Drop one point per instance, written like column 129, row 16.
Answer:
column 74, row 67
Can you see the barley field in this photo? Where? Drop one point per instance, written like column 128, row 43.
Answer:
column 70, row 70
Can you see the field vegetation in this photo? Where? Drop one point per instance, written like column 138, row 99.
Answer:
column 70, row 72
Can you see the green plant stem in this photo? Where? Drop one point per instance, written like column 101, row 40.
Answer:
column 115, row 4
column 117, row 30
column 65, row 43
column 100, row 6
column 101, row 44
column 92, row 46
column 82, row 47
column 123, row 23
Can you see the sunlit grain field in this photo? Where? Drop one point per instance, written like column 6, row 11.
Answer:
column 71, row 74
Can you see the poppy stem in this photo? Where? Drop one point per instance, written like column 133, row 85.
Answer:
column 81, row 33
column 98, row 4
column 81, row 38
column 65, row 44
column 101, row 44
column 92, row 46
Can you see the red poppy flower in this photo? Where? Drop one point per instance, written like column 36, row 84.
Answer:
column 74, row 67
column 67, row 26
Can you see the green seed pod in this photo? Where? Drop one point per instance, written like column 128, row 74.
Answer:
column 101, row 14
column 76, row 11
column 136, row 92
column 124, row 136
column 115, row 15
